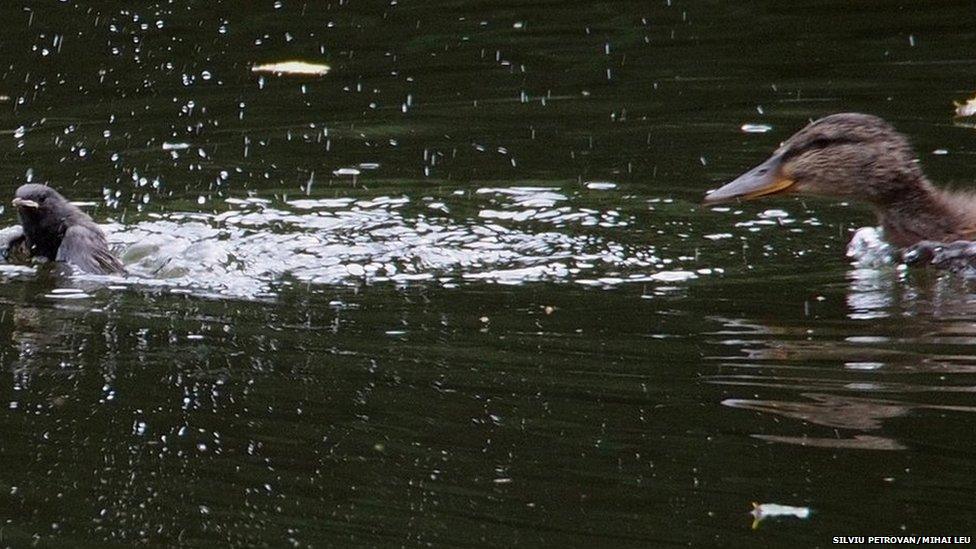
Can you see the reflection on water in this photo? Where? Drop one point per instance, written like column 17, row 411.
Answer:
column 803, row 363
column 848, row 413
column 857, row 442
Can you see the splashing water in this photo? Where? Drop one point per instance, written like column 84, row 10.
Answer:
column 257, row 246
column 868, row 248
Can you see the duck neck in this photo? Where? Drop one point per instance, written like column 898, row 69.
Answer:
column 920, row 212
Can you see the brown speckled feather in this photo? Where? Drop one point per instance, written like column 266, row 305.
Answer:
column 861, row 157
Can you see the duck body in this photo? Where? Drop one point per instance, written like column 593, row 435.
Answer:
column 57, row 230
column 855, row 156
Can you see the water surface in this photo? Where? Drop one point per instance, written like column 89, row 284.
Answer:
column 459, row 290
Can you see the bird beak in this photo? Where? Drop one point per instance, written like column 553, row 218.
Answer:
column 24, row 203
column 766, row 178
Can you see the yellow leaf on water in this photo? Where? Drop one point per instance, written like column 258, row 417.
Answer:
column 303, row 68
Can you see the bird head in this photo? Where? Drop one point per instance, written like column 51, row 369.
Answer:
column 41, row 207
column 847, row 155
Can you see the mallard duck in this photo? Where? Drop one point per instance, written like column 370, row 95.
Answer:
column 861, row 157
column 57, row 230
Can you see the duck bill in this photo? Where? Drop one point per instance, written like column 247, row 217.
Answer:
column 24, row 203
column 765, row 179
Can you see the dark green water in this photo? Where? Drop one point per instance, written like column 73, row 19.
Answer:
column 477, row 340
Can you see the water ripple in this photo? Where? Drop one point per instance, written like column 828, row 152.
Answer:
column 257, row 245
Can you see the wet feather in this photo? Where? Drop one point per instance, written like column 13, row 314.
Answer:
column 57, row 230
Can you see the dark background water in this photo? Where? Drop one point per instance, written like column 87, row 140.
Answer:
column 470, row 343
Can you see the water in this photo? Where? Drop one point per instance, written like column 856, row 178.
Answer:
column 459, row 290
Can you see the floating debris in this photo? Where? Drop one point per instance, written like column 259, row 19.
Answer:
column 600, row 185
column 300, row 68
column 762, row 511
column 966, row 109
column 756, row 128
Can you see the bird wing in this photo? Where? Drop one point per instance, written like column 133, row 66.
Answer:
column 86, row 249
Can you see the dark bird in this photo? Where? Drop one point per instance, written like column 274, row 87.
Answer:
column 861, row 157
column 57, row 230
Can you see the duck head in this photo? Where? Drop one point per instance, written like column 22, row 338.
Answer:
column 847, row 155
